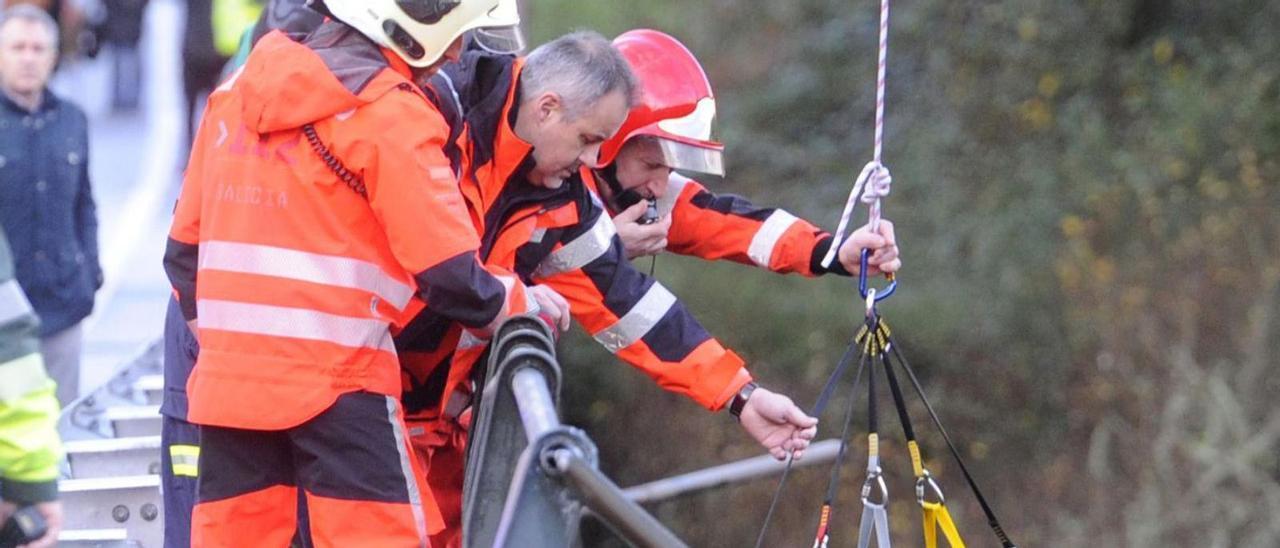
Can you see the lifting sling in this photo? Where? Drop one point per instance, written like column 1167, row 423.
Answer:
column 875, row 346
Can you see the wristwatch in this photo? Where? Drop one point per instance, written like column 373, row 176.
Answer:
column 740, row 400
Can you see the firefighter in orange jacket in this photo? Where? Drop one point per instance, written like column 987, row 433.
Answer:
column 655, row 208
column 532, row 125
column 317, row 214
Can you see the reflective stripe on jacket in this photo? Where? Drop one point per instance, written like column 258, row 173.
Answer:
column 726, row 226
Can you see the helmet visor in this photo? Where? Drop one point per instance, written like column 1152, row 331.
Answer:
column 687, row 157
column 499, row 40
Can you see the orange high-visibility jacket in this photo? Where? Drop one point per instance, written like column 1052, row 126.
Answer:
column 725, row 226
column 296, row 279
column 563, row 238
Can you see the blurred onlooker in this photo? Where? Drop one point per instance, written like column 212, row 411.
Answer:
column 121, row 32
column 289, row 16
column 46, row 204
column 70, row 21
column 201, row 63
column 231, row 18
column 214, row 28
column 29, row 445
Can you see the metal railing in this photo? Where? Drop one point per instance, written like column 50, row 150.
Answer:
column 530, row 479
column 823, row 452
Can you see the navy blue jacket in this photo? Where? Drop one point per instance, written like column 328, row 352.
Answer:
column 47, row 209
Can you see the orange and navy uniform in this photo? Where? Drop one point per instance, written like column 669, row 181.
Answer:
column 725, row 226
column 296, row 278
column 559, row 237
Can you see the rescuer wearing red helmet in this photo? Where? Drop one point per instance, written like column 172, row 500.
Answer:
column 655, row 208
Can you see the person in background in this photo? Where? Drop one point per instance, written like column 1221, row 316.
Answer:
column 46, row 203
column 201, row 64
column 73, row 29
column 212, row 36
column 121, row 32
column 29, row 446
column 287, row 16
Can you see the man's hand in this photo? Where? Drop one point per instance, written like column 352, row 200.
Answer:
column 884, row 250
column 639, row 240
column 552, row 304
column 52, row 514
column 778, row 424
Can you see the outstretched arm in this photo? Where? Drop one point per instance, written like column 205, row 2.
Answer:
column 641, row 322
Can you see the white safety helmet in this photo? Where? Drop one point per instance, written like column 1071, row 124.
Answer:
column 420, row 31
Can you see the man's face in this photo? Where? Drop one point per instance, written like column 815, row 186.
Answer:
column 451, row 55
column 26, row 56
column 562, row 143
column 641, row 168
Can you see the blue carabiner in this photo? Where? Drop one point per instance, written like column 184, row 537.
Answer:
column 862, row 281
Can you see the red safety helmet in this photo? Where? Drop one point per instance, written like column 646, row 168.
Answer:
column 675, row 105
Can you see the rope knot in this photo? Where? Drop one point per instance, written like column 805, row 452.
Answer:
column 879, row 183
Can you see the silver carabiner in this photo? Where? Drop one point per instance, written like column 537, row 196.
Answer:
column 871, row 301
column 924, row 479
column 874, row 476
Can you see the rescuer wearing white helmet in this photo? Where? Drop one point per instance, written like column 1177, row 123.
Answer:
column 318, row 213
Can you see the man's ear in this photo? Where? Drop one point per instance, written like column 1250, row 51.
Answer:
column 550, row 106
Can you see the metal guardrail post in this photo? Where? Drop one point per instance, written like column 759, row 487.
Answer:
column 497, row 433
column 556, row 472
column 604, row 498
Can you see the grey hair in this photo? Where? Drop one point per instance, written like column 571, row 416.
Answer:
column 582, row 67
column 28, row 12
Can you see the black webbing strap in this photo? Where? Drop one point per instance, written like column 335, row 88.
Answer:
column 973, row 485
column 898, row 401
column 873, row 418
column 834, row 482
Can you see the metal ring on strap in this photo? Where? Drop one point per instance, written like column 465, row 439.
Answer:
column 874, row 476
column 927, row 479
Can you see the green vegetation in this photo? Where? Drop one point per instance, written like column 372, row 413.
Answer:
column 1086, row 194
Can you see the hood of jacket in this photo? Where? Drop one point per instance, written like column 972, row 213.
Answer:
column 292, row 80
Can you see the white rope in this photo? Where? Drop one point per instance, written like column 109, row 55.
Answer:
column 874, row 182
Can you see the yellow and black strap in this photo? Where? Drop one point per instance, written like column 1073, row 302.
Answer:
column 935, row 512
column 938, row 514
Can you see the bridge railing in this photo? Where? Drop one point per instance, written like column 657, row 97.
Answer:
column 537, row 499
